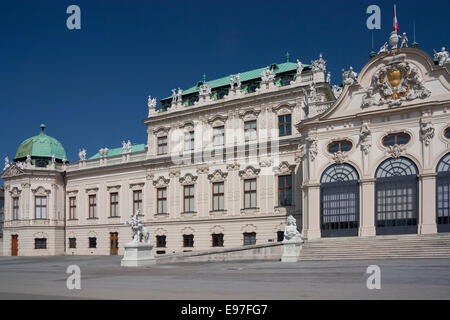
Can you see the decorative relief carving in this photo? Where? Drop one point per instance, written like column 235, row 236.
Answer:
column 91, row 190
column 217, row 176
column 339, row 157
column 249, row 228
column 426, row 131
column 233, row 166
column 161, row 131
column 396, row 150
column 284, row 168
column 137, row 185
column 188, row 179
column 203, row 170
column 174, row 174
column 395, row 83
column 249, row 173
column 12, row 171
column 217, row 230
column 312, row 148
column 283, row 109
column 250, row 114
column 365, row 138
column 41, row 191
column 161, row 182
column 266, row 163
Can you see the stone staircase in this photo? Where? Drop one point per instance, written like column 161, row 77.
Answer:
column 380, row 247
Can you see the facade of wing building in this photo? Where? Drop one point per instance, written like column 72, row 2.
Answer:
column 228, row 160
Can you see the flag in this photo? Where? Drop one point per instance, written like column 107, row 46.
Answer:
column 395, row 19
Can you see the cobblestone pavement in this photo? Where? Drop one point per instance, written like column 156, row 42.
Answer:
column 103, row 278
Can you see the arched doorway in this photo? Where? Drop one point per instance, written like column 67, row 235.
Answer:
column 443, row 194
column 339, row 201
column 396, row 200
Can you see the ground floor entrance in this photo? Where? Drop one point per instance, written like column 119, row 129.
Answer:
column 114, row 243
column 14, row 245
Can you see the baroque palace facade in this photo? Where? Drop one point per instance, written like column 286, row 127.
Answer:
column 228, row 160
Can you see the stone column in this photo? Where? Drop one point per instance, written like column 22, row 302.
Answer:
column 148, row 205
column 427, row 203
column 174, row 193
column 367, row 208
column 233, row 183
column 311, row 218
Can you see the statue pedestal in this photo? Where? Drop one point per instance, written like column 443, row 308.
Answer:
column 291, row 250
column 138, row 254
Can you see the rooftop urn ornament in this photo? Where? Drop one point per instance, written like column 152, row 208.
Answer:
column 394, row 37
column 442, row 56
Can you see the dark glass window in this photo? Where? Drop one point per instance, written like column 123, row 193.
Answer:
column 188, row 240
column 40, row 243
column 217, row 239
column 218, row 196
column 447, row 133
column 396, row 138
column 284, row 125
column 137, row 201
column 162, row 200
column 114, row 204
column 250, row 193
column 285, row 190
column 40, row 207
column 189, row 141
column 340, row 146
column 189, row 198
column 280, row 236
column 72, row 243
column 15, row 208
column 162, row 145
column 92, row 206
column 219, row 136
column 72, row 207
column 160, row 241
column 92, row 242
column 250, row 131
column 249, row 238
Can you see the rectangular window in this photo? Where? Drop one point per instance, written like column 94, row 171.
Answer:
column 188, row 240
column 72, row 243
column 218, row 196
column 40, row 243
column 137, row 201
column 250, row 131
column 219, row 136
column 72, row 208
column 249, row 238
column 162, row 200
column 92, row 206
column 217, row 239
column 285, row 190
column 114, row 204
column 93, row 242
column 250, row 194
column 40, row 207
column 284, row 125
column 160, row 241
column 162, row 145
column 189, row 198
column 15, row 208
column 189, row 141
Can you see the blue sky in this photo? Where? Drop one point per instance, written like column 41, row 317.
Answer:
column 90, row 86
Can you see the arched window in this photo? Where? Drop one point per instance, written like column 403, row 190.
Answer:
column 339, row 199
column 396, row 199
column 443, row 194
column 340, row 146
column 252, row 87
column 396, row 138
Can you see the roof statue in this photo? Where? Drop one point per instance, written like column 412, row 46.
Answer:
column 299, row 67
column 384, row 48
column 180, row 95
column 151, row 103
column 404, row 41
column 28, row 161
column 53, row 158
column 174, row 95
column 6, row 163
column 205, row 90
column 337, row 91
column 312, row 92
column 238, row 81
column 349, row 77
column 328, row 77
column 319, row 64
column 442, row 56
column 267, row 75
column 231, row 81
column 82, row 155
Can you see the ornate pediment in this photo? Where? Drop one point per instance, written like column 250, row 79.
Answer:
column 161, row 182
column 395, row 83
column 249, row 173
column 188, row 179
column 217, row 176
column 284, row 168
column 12, row 171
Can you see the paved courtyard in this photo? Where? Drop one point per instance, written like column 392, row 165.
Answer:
column 103, row 278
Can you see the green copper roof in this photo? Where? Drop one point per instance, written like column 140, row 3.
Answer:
column 118, row 151
column 245, row 76
column 41, row 145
